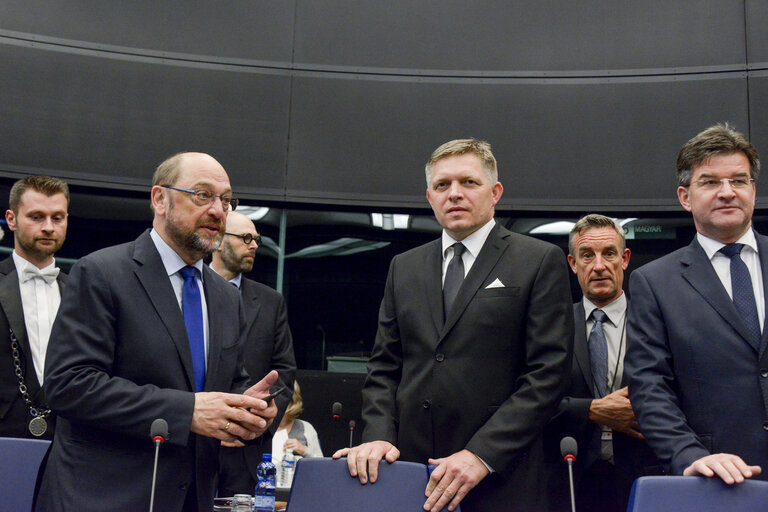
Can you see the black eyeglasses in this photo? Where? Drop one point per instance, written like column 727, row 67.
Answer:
column 247, row 238
column 204, row 197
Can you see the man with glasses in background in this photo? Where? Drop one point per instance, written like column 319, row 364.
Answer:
column 146, row 332
column 696, row 358
column 30, row 294
column 268, row 346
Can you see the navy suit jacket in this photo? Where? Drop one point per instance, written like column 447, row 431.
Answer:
column 14, row 417
column 119, row 358
column 697, row 384
column 488, row 377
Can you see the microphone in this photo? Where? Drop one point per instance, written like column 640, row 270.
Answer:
column 336, row 410
column 159, row 433
column 351, row 431
column 568, row 449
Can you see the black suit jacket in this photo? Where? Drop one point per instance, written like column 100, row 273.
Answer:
column 488, row 378
column 268, row 346
column 14, row 417
column 697, row 384
column 632, row 457
column 119, row 358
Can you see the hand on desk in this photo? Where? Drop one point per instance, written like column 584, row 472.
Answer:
column 730, row 468
column 363, row 460
column 452, row 479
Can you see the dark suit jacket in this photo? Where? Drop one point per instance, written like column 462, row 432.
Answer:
column 268, row 346
column 696, row 383
column 489, row 378
column 632, row 458
column 14, row 417
column 119, row 358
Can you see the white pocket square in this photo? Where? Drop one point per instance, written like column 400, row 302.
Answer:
column 496, row 284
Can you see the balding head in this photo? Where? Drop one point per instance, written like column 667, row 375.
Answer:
column 234, row 256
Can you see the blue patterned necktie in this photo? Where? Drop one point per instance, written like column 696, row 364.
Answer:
column 742, row 292
column 454, row 276
column 598, row 354
column 192, row 307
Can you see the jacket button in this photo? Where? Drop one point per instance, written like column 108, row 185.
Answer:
column 426, row 404
column 440, row 357
column 764, row 372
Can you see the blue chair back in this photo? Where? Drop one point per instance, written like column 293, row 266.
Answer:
column 696, row 494
column 324, row 484
column 19, row 464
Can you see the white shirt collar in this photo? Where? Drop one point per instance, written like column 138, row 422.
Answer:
column 235, row 280
column 473, row 242
column 171, row 260
column 711, row 247
column 22, row 263
column 614, row 311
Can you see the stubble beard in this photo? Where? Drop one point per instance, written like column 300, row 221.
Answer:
column 34, row 249
column 231, row 261
column 191, row 242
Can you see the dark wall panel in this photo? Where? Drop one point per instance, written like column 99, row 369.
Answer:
column 234, row 28
column 107, row 120
column 757, row 42
column 558, row 144
column 520, row 36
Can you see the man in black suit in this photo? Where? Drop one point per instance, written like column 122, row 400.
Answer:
column 268, row 346
column 472, row 350
column 696, row 357
column 146, row 331
column 30, row 294
column 596, row 410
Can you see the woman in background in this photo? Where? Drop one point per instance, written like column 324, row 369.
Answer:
column 294, row 434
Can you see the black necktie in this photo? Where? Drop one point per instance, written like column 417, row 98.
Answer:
column 598, row 353
column 741, row 289
column 454, row 276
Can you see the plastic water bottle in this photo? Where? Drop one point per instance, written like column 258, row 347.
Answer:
column 287, row 468
column 265, row 489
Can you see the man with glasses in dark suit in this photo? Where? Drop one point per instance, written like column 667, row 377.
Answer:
column 268, row 346
column 146, row 331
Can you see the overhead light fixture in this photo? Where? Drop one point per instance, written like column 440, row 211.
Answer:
column 390, row 221
column 560, row 227
column 253, row 212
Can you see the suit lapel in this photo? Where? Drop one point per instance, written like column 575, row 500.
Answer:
column 152, row 276
column 580, row 346
column 10, row 301
column 214, row 298
column 762, row 247
column 698, row 271
column 432, row 281
column 489, row 255
column 251, row 303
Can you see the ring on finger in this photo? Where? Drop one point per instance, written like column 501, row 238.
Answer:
column 226, row 427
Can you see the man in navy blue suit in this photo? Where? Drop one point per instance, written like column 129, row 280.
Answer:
column 696, row 358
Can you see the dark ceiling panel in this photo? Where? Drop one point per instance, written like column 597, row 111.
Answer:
column 559, row 145
column 501, row 35
column 102, row 120
column 757, row 42
column 247, row 29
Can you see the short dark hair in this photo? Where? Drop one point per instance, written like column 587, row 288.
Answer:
column 591, row 221
column 720, row 139
column 47, row 185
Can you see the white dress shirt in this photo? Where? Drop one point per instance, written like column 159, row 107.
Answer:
column 722, row 265
column 473, row 243
column 40, row 302
column 173, row 263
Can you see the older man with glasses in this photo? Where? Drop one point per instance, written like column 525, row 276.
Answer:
column 146, row 332
column 268, row 346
